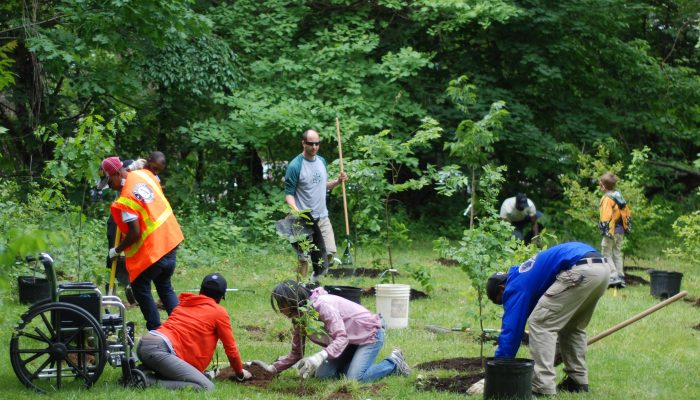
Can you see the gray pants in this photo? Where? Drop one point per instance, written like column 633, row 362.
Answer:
column 156, row 355
column 562, row 314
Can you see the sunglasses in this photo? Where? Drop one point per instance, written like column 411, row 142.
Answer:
column 312, row 143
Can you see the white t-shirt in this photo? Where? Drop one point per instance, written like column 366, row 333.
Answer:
column 512, row 214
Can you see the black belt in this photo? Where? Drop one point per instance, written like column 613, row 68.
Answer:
column 590, row 260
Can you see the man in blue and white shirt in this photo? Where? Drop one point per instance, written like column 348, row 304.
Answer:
column 556, row 291
column 305, row 186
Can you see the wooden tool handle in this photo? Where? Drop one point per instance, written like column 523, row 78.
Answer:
column 342, row 183
column 636, row 317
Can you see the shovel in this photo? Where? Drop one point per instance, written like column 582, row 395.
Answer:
column 347, row 257
column 629, row 321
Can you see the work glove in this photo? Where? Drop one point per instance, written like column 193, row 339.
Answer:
column 477, row 388
column 113, row 253
column 267, row 367
column 246, row 375
column 308, row 366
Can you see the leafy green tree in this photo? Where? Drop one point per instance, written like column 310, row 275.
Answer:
column 377, row 173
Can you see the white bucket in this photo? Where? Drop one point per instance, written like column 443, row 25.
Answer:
column 392, row 304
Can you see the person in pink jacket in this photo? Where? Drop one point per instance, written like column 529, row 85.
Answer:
column 352, row 339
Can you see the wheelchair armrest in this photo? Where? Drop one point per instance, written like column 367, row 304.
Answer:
column 77, row 286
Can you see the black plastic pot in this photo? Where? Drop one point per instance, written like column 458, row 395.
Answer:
column 348, row 292
column 665, row 284
column 508, row 378
column 33, row 289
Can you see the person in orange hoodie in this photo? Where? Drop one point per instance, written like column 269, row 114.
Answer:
column 182, row 347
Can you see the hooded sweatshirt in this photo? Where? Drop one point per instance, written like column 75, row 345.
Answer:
column 195, row 326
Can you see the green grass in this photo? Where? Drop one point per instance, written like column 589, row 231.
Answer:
column 655, row 358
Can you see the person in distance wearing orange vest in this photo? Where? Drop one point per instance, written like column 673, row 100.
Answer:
column 151, row 236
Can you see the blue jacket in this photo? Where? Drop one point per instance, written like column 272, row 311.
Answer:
column 526, row 284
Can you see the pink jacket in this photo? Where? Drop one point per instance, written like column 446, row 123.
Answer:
column 345, row 323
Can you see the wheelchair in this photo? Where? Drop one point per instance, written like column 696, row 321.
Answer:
column 65, row 341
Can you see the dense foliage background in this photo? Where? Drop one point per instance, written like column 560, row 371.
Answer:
column 224, row 89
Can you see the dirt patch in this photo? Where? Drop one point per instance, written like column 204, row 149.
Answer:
column 415, row 294
column 470, row 368
column 461, row 364
column 256, row 332
column 342, row 393
column 366, row 272
column 457, row 383
column 694, row 301
column 634, row 280
column 261, row 378
column 447, row 262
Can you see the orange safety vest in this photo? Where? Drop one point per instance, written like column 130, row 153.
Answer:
column 160, row 232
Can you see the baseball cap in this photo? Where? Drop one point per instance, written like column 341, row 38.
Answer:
column 521, row 200
column 111, row 165
column 214, row 286
column 492, row 286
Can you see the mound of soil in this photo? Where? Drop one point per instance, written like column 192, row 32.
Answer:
column 366, row 272
column 447, row 262
column 470, row 368
column 415, row 294
column 633, row 280
column 342, row 393
column 261, row 378
column 457, row 383
column 461, row 364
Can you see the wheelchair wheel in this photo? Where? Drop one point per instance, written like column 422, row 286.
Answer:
column 57, row 345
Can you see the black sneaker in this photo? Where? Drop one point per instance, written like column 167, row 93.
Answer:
column 569, row 385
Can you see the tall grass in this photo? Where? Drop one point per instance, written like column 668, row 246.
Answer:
column 655, row 358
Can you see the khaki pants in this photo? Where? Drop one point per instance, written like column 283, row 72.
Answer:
column 612, row 249
column 324, row 224
column 562, row 315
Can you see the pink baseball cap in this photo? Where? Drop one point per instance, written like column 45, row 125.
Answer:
column 111, row 165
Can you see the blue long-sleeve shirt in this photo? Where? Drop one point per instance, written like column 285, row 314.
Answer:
column 525, row 285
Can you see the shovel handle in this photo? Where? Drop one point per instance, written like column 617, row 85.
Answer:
column 113, row 271
column 636, row 317
column 342, row 183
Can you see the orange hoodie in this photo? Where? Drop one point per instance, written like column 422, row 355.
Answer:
column 195, row 326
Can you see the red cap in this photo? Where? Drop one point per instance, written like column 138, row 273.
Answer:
column 111, row 165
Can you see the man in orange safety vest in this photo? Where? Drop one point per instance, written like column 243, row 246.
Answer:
column 151, row 236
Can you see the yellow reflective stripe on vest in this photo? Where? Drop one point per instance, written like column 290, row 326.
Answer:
column 150, row 224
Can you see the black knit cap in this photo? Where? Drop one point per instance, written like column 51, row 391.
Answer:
column 492, row 286
column 214, row 286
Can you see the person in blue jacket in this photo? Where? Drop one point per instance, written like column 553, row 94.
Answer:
column 557, row 291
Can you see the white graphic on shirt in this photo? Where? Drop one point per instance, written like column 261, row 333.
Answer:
column 144, row 193
column 527, row 265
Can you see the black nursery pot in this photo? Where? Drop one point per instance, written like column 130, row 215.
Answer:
column 348, row 292
column 32, row 289
column 664, row 284
column 508, row 378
